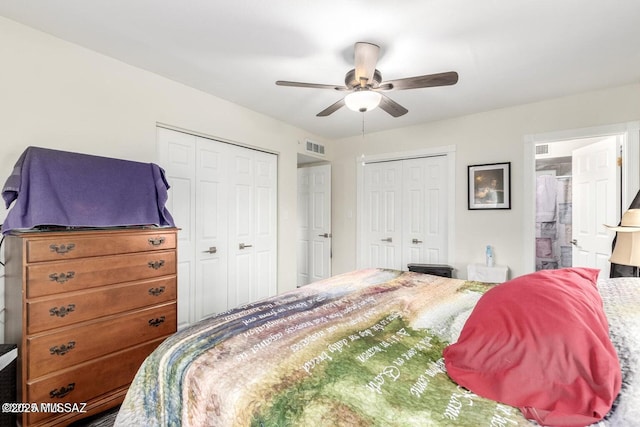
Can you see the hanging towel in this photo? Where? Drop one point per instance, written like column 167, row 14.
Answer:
column 59, row 188
column 546, row 191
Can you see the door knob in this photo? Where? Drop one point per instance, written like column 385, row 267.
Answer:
column 574, row 242
column 416, row 241
column 325, row 235
column 211, row 250
column 242, row 246
column 388, row 239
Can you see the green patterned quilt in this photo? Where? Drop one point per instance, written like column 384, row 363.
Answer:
column 358, row 349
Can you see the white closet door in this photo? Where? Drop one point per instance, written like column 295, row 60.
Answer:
column 241, row 232
column 211, row 241
column 424, row 211
column 177, row 156
column 221, row 195
column 382, row 214
column 405, row 212
column 265, row 225
column 252, row 226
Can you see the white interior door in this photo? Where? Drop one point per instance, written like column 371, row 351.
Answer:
column 424, row 207
column 405, row 212
column 265, row 221
column 382, row 214
column 304, row 229
column 177, row 155
column 252, row 226
column 314, row 224
column 596, row 201
column 221, row 195
column 241, row 232
column 211, row 237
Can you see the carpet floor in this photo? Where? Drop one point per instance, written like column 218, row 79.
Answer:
column 103, row 419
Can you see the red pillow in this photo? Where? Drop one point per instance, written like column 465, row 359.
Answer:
column 540, row 342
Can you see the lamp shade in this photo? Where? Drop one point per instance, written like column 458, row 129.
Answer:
column 362, row 100
column 627, row 249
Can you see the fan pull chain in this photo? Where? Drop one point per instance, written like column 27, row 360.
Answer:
column 363, row 126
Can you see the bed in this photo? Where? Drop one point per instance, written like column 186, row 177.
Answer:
column 373, row 348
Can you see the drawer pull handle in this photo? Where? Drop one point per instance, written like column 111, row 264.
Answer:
column 62, row 391
column 156, row 264
column 157, row 241
column 63, row 348
column 62, row 249
column 62, row 277
column 62, row 311
column 156, row 322
column 156, row 291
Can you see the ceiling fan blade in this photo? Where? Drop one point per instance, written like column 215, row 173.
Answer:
column 429, row 80
column 331, row 108
column 392, row 107
column 365, row 58
column 309, row 85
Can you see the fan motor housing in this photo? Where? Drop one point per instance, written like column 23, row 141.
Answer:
column 351, row 82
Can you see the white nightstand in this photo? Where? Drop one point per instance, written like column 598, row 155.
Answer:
column 482, row 273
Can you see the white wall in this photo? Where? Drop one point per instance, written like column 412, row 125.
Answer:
column 58, row 95
column 490, row 137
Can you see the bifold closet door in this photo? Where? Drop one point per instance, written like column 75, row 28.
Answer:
column 222, row 196
column 252, row 231
column 424, row 211
column 405, row 213
column 382, row 214
column 210, row 292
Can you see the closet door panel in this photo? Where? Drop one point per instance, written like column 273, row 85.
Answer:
column 435, row 218
column 241, row 231
column 211, row 293
column 177, row 155
column 383, row 221
column 265, row 220
column 253, row 226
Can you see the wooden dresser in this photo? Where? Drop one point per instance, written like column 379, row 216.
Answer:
column 86, row 308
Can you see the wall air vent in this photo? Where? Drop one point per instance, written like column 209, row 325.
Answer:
column 315, row 148
column 542, row 149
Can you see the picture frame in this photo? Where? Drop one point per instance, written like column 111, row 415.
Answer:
column 489, row 186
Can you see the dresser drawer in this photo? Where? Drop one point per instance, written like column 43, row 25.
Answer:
column 64, row 276
column 70, row 245
column 88, row 380
column 72, row 307
column 51, row 352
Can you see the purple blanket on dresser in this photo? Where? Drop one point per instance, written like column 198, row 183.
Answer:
column 59, row 188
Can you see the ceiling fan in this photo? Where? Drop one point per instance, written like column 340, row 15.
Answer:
column 365, row 86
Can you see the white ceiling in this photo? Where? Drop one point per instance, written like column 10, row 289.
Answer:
column 507, row 52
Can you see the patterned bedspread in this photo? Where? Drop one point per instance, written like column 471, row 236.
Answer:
column 358, row 349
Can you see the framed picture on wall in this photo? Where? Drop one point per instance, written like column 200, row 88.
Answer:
column 489, row 186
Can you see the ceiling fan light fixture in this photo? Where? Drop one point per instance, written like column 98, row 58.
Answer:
column 362, row 100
